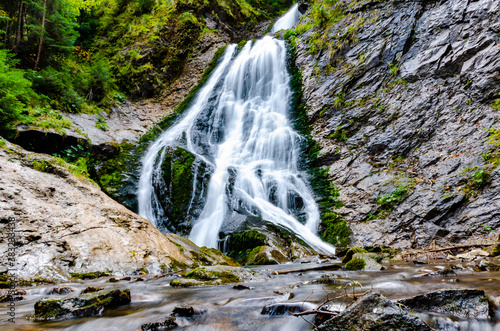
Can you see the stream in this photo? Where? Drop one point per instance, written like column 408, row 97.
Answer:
column 228, row 309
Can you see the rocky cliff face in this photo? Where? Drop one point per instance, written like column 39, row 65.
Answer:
column 400, row 97
column 65, row 224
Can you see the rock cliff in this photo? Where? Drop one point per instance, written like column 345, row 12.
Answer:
column 401, row 96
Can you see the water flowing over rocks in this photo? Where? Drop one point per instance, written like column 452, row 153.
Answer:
column 400, row 98
column 84, row 305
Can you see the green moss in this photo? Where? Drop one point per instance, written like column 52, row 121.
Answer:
column 243, row 242
column 2, row 143
column 88, row 275
column 333, row 227
column 353, row 250
column 222, row 277
column 496, row 104
column 496, row 251
column 176, row 265
column 355, row 264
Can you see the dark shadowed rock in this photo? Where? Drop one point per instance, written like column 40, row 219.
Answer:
column 286, row 308
column 183, row 311
column 374, row 312
column 460, row 303
column 62, row 290
column 165, row 325
column 84, row 305
column 16, row 294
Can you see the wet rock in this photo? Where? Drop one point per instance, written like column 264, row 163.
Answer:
column 166, row 324
column 459, row 303
column 472, row 254
column 16, row 294
column 496, row 250
column 286, row 308
column 183, row 311
column 488, row 266
column 91, row 289
column 116, row 279
column 374, row 312
column 419, row 262
column 241, row 287
column 84, row 305
column 370, row 263
column 62, row 290
column 216, row 275
column 350, row 253
column 329, row 279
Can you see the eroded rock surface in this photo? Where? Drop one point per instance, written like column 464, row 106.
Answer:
column 400, row 97
column 65, row 224
column 374, row 312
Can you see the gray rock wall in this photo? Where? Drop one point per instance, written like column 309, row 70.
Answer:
column 400, row 97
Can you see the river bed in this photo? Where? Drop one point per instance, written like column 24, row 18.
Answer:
column 224, row 308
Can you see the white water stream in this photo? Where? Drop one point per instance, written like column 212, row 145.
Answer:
column 249, row 143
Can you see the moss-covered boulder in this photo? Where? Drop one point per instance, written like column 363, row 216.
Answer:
column 216, row 275
column 181, row 188
column 496, row 250
column 266, row 243
column 353, row 250
column 84, row 305
column 355, row 264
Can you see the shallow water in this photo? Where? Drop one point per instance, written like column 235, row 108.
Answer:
column 228, row 309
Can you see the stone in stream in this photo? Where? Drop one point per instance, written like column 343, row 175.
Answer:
column 91, row 289
column 183, row 311
column 374, row 312
column 62, row 290
column 241, row 287
column 166, row 324
column 459, row 303
column 286, row 308
column 84, row 305
column 16, row 294
column 216, row 275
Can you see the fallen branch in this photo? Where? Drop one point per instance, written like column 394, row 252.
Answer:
column 315, row 311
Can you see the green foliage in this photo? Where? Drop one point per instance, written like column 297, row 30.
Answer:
column 479, row 179
column 395, row 197
column 355, row 264
column 496, row 104
column 493, row 156
column 335, row 229
column 14, row 88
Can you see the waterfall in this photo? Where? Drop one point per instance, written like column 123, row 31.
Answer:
column 288, row 20
column 239, row 127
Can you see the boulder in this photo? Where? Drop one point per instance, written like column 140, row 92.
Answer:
column 286, row 308
column 459, row 303
column 473, row 254
column 216, row 275
column 183, row 311
column 370, row 263
column 62, row 290
column 374, row 312
column 495, row 251
column 89, row 304
column 16, row 294
column 166, row 324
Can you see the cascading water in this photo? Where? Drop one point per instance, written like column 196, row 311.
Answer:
column 238, row 128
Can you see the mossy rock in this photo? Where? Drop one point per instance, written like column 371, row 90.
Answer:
column 88, row 304
column 180, row 200
column 88, row 275
column 351, row 252
column 355, row 264
column 222, row 275
column 496, row 250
